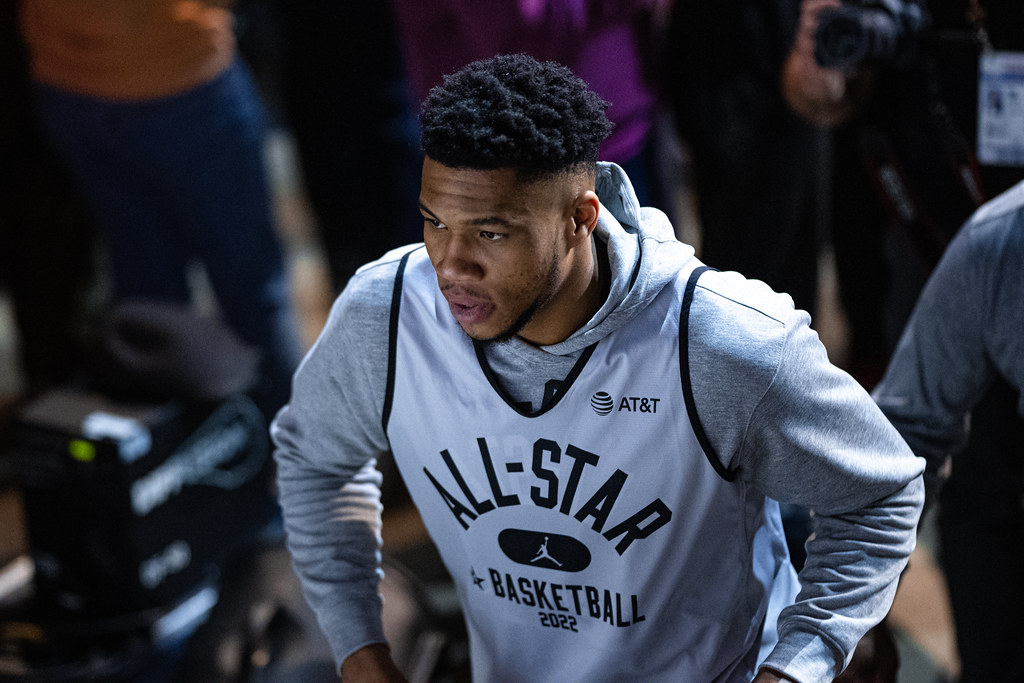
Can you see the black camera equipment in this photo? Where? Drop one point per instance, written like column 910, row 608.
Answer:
column 155, row 549
column 137, row 488
column 875, row 31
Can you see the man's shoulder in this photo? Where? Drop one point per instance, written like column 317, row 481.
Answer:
column 736, row 322
column 1008, row 206
column 363, row 309
column 386, row 267
column 372, row 286
column 991, row 243
column 731, row 297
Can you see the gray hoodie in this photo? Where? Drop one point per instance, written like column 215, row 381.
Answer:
column 966, row 330
column 776, row 413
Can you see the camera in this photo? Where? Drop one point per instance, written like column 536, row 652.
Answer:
column 869, row 32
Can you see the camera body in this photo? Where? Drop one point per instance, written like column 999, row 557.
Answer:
column 869, row 32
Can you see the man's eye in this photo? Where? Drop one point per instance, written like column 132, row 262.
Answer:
column 433, row 221
column 491, row 236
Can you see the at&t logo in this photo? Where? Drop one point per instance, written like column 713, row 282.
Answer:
column 603, row 403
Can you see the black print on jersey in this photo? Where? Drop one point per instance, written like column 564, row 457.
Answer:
column 583, row 482
column 543, row 549
column 639, row 404
column 602, row 403
column 602, row 604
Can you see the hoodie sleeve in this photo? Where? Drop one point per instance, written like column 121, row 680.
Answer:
column 328, row 440
column 965, row 331
column 799, row 430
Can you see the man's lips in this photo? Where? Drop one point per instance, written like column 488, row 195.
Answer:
column 468, row 309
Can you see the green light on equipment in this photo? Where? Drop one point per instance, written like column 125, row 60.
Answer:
column 82, row 451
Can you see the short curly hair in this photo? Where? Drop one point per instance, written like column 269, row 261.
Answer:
column 513, row 111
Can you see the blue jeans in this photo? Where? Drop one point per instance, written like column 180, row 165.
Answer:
column 181, row 179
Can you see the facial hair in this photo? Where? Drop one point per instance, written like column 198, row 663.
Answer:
column 546, row 293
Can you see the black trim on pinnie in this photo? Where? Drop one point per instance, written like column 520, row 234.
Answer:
column 396, row 303
column 496, row 383
column 684, row 374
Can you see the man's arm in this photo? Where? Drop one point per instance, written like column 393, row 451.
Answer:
column 769, row 676
column 818, row 440
column 327, row 440
column 371, row 664
column 964, row 330
column 799, row 430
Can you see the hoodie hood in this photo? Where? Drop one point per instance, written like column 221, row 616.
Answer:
column 643, row 256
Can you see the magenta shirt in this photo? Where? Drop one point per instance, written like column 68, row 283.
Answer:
column 604, row 42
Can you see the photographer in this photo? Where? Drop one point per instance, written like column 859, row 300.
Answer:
column 905, row 174
column 750, row 156
column 905, row 170
column 911, row 162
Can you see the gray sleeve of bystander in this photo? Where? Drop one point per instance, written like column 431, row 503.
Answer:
column 966, row 329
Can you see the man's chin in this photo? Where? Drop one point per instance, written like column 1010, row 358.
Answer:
column 489, row 331
column 479, row 335
column 484, row 334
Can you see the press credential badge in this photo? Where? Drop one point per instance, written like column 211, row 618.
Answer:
column 1001, row 108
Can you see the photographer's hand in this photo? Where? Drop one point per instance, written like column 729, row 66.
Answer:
column 825, row 97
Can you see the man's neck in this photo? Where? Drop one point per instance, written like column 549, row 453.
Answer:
column 591, row 284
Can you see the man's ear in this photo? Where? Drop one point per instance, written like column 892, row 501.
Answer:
column 585, row 210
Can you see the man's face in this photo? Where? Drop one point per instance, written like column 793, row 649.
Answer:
column 497, row 245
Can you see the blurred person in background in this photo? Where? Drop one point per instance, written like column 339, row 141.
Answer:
column 909, row 161
column 47, row 240
column 922, row 136
column 757, row 165
column 159, row 121
column 956, row 380
column 346, row 99
column 610, row 44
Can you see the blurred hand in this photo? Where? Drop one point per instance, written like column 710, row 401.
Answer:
column 371, row 664
column 875, row 660
column 825, row 97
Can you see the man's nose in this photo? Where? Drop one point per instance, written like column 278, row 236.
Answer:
column 458, row 260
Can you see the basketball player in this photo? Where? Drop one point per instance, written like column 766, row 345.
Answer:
column 594, row 427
